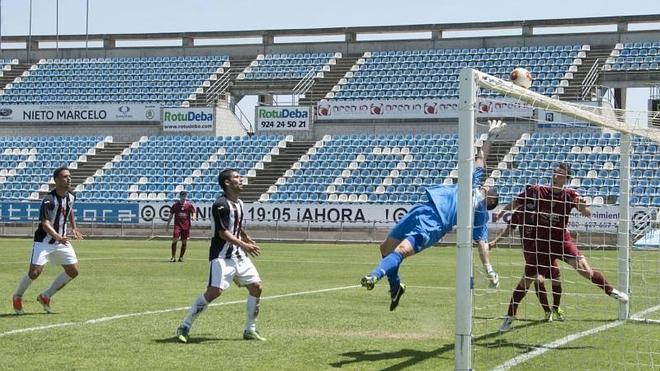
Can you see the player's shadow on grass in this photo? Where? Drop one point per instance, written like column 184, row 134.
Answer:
column 195, row 340
column 484, row 341
column 14, row 315
column 412, row 356
column 416, row 356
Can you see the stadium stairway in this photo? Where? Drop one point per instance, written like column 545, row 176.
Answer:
column 322, row 86
column 16, row 70
column 94, row 162
column 244, row 87
column 236, row 66
column 574, row 90
column 275, row 169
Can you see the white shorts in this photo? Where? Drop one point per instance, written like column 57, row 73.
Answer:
column 57, row 253
column 223, row 271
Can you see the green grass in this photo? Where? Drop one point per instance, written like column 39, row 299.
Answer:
column 348, row 328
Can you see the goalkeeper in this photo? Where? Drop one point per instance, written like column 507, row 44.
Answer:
column 424, row 225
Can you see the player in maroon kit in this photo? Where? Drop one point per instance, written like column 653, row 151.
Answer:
column 535, row 271
column 183, row 212
column 546, row 212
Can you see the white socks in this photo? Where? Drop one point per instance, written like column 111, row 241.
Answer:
column 23, row 285
column 195, row 310
column 59, row 282
column 252, row 313
column 488, row 268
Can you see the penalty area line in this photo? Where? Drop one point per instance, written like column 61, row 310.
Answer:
column 149, row 312
column 565, row 340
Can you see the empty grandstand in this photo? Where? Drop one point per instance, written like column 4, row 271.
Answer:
column 383, row 125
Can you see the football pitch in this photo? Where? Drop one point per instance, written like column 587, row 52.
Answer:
column 123, row 309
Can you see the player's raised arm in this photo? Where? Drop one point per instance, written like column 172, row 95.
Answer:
column 505, row 233
column 495, row 128
column 508, row 207
column 583, row 207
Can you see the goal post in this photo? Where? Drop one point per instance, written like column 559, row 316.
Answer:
column 464, row 276
column 471, row 82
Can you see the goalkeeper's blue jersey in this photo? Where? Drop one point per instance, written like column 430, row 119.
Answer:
column 444, row 199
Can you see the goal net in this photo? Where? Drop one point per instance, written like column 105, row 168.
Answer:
column 574, row 312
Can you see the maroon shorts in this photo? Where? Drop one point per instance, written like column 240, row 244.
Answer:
column 565, row 249
column 180, row 233
column 539, row 262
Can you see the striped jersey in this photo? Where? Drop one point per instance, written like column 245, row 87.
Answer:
column 227, row 216
column 55, row 209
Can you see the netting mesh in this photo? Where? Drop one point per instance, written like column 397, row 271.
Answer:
column 569, row 239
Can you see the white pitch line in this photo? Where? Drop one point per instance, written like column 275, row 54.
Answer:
column 38, row 328
column 565, row 340
column 128, row 315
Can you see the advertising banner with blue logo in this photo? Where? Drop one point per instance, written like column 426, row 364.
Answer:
column 188, row 119
column 79, row 112
column 274, row 118
column 127, row 213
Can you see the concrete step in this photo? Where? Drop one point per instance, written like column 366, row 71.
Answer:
column 274, row 169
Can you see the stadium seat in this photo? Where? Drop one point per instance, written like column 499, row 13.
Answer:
column 90, row 81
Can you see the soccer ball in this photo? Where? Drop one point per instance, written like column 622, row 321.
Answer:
column 521, row 77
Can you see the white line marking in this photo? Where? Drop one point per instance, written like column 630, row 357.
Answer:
column 39, row 328
column 128, row 315
column 565, row 340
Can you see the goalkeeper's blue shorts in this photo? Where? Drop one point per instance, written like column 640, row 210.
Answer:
column 421, row 226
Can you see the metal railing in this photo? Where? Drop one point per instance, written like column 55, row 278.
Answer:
column 243, row 118
column 645, row 223
column 590, row 80
column 304, row 85
column 218, row 88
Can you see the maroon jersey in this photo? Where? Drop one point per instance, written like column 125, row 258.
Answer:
column 547, row 211
column 518, row 218
column 517, row 221
column 182, row 214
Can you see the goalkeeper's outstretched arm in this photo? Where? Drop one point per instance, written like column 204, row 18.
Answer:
column 495, row 128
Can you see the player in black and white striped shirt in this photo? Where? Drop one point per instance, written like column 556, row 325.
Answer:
column 229, row 258
column 51, row 242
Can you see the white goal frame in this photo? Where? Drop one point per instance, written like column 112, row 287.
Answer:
column 470, row 81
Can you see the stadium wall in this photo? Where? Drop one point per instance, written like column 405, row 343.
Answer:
column 356, row 47
column 128, row 132
column 486, row 34
column 121, row 132
column 513, row 132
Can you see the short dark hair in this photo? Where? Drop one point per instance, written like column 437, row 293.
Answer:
column 225, row 175
column 566, row 167
column 492, row 198
column 59, row 170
